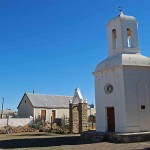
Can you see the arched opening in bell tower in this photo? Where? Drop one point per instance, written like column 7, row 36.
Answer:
column 129, row 39
column 114, row 38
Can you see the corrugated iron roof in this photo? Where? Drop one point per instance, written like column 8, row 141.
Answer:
column 7, row 112
column 49, row 101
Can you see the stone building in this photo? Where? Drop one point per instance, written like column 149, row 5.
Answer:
column 122, row 80
column 78, row 113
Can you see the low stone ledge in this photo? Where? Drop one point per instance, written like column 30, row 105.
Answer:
column 93, row 136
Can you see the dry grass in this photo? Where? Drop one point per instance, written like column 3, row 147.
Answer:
column 24, row 135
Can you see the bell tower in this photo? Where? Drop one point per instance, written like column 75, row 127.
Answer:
column 122, row 35
column 122, row 81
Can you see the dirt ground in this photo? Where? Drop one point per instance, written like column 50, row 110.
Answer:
column 45, row 141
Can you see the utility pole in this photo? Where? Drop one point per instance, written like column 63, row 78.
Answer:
column 2, row 107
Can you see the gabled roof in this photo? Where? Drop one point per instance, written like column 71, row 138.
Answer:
column 49, row 101
column 78, row 97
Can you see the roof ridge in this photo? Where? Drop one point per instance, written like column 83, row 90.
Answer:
column 48, row 94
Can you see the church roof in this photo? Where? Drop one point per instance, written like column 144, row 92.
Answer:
column 49, row 101
column 123, row 60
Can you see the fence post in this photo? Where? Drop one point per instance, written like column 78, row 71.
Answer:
column 64, row 120
column 7, row 119
column 51, row 123
column 92, row 122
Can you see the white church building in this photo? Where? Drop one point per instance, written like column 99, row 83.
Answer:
column 122, row 81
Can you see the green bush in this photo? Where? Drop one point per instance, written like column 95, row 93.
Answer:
column 92, row 118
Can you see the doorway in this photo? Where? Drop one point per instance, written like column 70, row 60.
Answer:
column 43, row 115
column 53, row 115
column 111, row 119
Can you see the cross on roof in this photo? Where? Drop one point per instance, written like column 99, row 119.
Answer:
column 120, row 8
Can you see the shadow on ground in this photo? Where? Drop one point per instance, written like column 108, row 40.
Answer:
column 41, row 142
column 44, row 134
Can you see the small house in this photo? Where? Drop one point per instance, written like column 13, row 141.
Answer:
column 8, row 113
column 44, row 106
column 47, row 107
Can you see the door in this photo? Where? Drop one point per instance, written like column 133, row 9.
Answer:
column 110, row 119
column 53, row 115
column 43, row 115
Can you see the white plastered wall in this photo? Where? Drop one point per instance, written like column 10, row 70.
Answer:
column 60, row 113
column 137, row 93
column 25, row 108
column 113, row 99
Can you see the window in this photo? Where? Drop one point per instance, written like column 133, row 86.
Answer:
column 25, row 101
column 143, row 107
column 114, row 38
column 129, row 40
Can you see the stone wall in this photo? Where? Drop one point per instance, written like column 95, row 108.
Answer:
column 78, row 117
column 82, row 117
column 94, row 136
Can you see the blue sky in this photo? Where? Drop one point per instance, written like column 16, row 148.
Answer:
column 53, row 46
